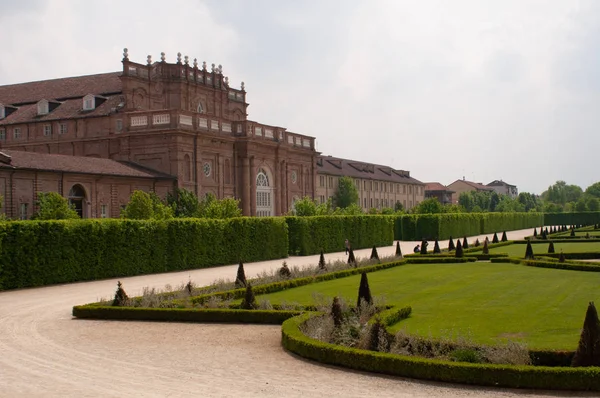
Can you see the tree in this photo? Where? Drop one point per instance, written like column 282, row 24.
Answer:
column 121, row 297
column 494, row 201
column 398, row 208
column 145, row 206
column 588, row 350
column 429, row 206
column 398, row 249
column 336, row 312
column 581, row 205
column 249, row 301
column 346, row 194
column 184, row 203
column 459, row 249
column 240, row 279
column 211, row 207
column 364, row 292
column 374, row 254
column 465, row 199
column 322, row 265
column 305, row 207
column 593, row 204
column 593, row 190
column 52, row 206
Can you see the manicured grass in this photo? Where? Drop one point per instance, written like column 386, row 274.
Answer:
column 482, row 301
column 518, row 250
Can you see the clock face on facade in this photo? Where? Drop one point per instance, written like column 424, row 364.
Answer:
column 294, row 177
column 206, row 169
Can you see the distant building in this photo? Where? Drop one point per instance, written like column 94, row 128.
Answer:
column 460, row 186
column 503, row 188
column 438, row 191
column 378, row 186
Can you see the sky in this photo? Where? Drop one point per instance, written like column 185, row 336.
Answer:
column 486, row 90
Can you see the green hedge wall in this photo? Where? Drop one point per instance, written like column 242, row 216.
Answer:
column 37, row 253
column 443, row 226
column 583, row 218
column 420, row 368
column 310, row 235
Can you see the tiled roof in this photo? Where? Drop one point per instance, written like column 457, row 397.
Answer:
column 436, row 186
column 68, row 109
column 355, row 169
column 475, row 185
column 499, row 183
column 76, row 164
column 70, row 87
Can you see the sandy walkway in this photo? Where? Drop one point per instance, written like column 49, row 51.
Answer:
column 46, row 353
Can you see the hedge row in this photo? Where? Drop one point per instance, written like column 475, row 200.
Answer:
column 570, row 265
column 37, row 253
column 310, row 235
column 420, row 368
column 393, row 315
column 446, row 225
column 92, row 311
column 576, row 218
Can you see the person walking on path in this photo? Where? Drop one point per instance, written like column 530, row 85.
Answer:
column 347, row 244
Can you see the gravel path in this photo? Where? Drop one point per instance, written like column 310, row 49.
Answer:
column 44, row 352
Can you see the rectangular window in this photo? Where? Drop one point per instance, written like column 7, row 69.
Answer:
column 63, row 128
column 321, row 181
column 47, row 130
column 371, row 202
column 118, row 125
column 410, row 189
column 88, row 104
column 2, row 134
column 17, row 133
column 365, row 203
column 104, row 211
column 376, row 202
column 404, row 192
column 330, row 182
column 376, row 187
column 23, row 211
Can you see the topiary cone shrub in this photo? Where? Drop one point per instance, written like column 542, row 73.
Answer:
column 436, row 247
column 336, row 312
column 322, row 265
column 535, row 232
column 588, row 350
column 465, row 243
column 374, row 255
column 284, row 271
column 451, row 245
column 477, row 242
column 504, row 238
column 551, row 247
column 529, row 251
column 121, row 297
column 398, row 249
column 364, row 292
column 351, row 258
column 459, row 249
column 561, row 258
column 485, row 249
column 495, row 238
column 249, row 301
column 572, row 232
column 240, row 279
column 544, row 235
column 424, row 245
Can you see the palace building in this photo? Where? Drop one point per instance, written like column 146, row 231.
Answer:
column 156, row 126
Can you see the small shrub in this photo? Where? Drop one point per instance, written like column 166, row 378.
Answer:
column 249, row 301
column 398, row 249
column 336, row 312
column 436, row 247
column 485, row 249
column 588, row 350
column 322, row 265
column 374, row 255
column 466, row 355
column 465, row 243
column 495, row 238
column 535, row 232
column 459, row 249
column 572, row 232
column 121, row 297
column 477, row 244
column 551, row 247
column 364, row 292
column 189, row 287
column 529, row 251
column 284, row 271
column 240, row 279
column 504, row 238
column 561, row 258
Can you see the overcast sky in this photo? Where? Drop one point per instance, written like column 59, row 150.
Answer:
column 504, row 89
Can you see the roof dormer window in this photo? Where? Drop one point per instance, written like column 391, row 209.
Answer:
column 89, row 103
column 2, row 112
column 42, row 107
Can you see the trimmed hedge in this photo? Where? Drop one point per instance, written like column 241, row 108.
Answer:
column 273, row 317
column 393, row 315
column 37, row 253
column 456, row 372
column 496, row 222
column 569, row 265
column 310, row 235
column 575, row 218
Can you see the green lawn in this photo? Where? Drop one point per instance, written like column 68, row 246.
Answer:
column 518, row 250
column 484, row 301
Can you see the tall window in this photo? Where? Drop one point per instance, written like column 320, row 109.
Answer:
column 103, row 211
column 63, row 128
column 264, row 205
column 119, row 125
column 47, row 130
column 187, row 168
column 23, row 211
column 17, row 133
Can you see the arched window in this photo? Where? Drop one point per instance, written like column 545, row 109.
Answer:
column 264, row 203
column 187, row 168
column 200, row 109
column 77, row 199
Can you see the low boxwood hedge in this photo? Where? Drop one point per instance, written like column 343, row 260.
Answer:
column 568, row 265
column 559, row 378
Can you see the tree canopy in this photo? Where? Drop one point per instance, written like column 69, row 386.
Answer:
column 346, row 194
column 53, row 206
